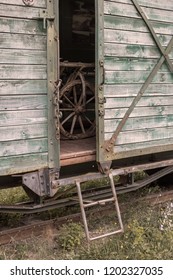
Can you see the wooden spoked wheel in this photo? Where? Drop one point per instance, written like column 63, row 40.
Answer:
column 77, row 102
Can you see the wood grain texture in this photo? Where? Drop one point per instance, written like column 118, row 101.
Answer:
column 21, row 26
column 26, row 102
column 128, row 10
column 130, row 54
column 30, row 72
column 28, row 57
column 37, row 3
column 22, row 41
column 131, row 24
column 168, row 5
column 23, row 88
column 131, row 90
column 136, row 123
column 139, row 112
column 132, row 51
column 19, row 11
column 24, row 132
column 144, row 135
column 145, row 101
column 23, row 147
column 10, row 118
column 22, row 163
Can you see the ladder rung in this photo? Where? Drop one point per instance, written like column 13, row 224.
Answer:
column 99, row 202
column 106, row 234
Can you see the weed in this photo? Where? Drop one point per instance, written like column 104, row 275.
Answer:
column 70, row 236
column 144, row 238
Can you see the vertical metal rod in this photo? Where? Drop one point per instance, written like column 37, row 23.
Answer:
column 116, row 201
column 82, row 210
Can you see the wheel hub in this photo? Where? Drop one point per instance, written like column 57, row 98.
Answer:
column 79, row 109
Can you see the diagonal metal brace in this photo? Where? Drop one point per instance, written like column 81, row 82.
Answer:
column 110, row 143
column 149, row 25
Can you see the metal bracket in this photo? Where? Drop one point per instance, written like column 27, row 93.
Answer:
column 102, row 100
column 46, row 15
column 104, row 167
column 40, row 182
column 101, row 112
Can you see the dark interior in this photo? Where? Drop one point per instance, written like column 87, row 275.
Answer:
column 77, row 30
column 77, row 72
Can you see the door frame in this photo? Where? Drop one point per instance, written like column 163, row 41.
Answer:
column 52, row 80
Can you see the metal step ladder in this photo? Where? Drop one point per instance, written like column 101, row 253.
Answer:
column 86, row 204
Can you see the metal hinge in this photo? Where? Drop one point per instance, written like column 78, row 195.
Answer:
column 102, row 100
column 101, row 112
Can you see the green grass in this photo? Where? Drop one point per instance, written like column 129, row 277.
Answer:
column 148, row 233
column 12, row 195
column 143, row 239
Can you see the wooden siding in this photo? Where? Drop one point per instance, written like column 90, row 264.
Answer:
column 130, row 55
column 23, row 87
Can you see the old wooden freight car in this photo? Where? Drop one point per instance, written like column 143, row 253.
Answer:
column 85, row 86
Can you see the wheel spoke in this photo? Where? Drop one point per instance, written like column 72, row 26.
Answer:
column 67, row 109
column 68, row 100
column 75, row 95
column 81, row 124
column 71, row 115
column 80, row 99
column 91, row 99
column 77, row 107
column 87, row 119
column 73, row 124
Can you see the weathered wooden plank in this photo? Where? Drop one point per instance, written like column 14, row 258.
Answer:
column 127, row 77
column 127, row 10
column 145, row 101
column 129, row 64
column 9, row 56
column 168, row 5
column 22, row 41
column 130, row 55
column 22, row 87
column 132, row 50
column 37, row 3
column 26, row 132
column 143, row 145
column 17, row 118
column 23, row 147
column 19, row 11
column 30, row 72
column 151, row 134
column 124, row 90
column 26, row 102
column 131, row 24
column 23, row 163
column 139, row 112
column 14, row 25
column 133, row 37
column 120, row 9
column 139, row 123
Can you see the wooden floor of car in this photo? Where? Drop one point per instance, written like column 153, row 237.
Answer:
column 77, row 151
